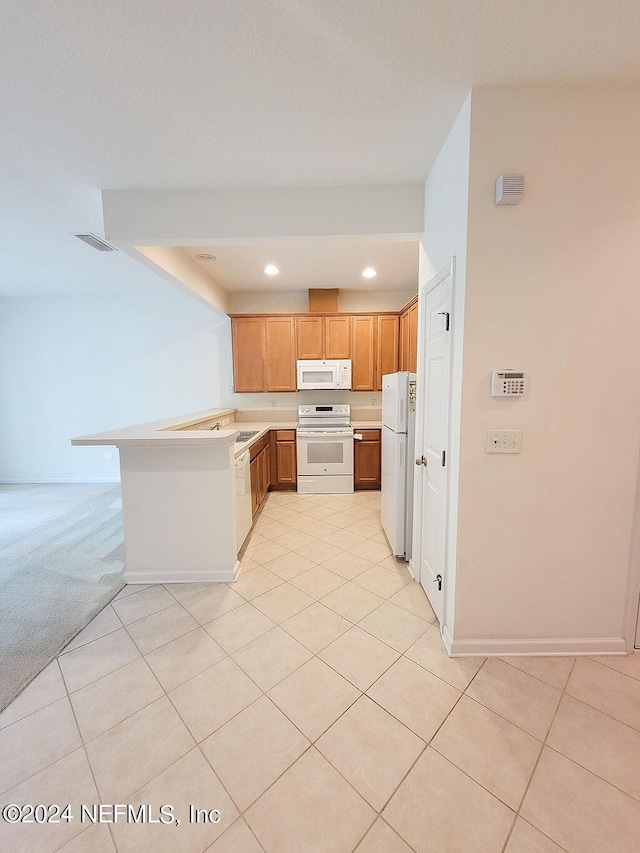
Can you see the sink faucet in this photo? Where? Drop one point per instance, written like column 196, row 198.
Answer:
column 217, row 425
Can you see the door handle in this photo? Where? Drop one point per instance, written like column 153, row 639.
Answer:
column 422, row 460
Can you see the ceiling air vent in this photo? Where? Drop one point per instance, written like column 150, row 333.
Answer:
column 95, row 242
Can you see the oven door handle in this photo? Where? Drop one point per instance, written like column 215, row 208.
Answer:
column 323, row 436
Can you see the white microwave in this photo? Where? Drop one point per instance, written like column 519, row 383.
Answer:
column 329, row 374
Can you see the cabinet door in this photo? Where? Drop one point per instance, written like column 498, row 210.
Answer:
column 362, row 354
column 254, row 471
column 386, row 348
column 247, row 337
column 337, row 343
column 286, row 462
column 367, row 459
column 403, row 356
column 266, row 479
column 280, row 342
column 413, row 338
column 310, row 337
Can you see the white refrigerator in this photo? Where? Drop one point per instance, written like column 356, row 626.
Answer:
column 398, row 439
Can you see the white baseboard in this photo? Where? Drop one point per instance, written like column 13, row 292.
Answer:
column 569, row 646
column 447, row 638
column 9, row 481
column 182, row 576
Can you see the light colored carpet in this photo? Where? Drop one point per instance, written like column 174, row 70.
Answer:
column 61, row 561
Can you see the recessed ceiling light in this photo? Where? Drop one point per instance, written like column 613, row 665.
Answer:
column 270, row 269
column 369, row 272
column 205, row 257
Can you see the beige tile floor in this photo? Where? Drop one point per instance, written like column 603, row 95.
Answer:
column 312, row 703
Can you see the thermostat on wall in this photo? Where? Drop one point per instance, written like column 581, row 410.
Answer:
column 507, row 383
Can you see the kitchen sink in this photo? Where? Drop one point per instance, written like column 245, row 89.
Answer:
column 246, row 435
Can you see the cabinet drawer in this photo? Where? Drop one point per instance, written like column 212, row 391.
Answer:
column 285, row 435
column 369, row 434
column 259, row 445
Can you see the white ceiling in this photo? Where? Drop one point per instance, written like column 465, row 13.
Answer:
column 240, row 269
column 251, row 93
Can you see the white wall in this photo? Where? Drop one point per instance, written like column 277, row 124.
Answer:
column 445, row 237
column 73, row 365
column 204, row 217
column 175, row 264
column 552, row 288
column 269, row 303
column 291, row 400
column 350, row 301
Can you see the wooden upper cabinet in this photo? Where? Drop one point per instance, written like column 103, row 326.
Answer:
column 280, row 355
column 386, row 347
column 413, row 338
column 337, row 342
column 248, row 342
column 403, row 353
column 363, row 335
column 408, row 349
column 310, row 337
column 266, row 347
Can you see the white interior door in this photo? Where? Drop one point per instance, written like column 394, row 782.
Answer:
column 432, row 435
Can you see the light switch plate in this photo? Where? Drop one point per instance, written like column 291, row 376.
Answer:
column 504, row 441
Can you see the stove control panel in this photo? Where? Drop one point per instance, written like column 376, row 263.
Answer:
column 323, row 411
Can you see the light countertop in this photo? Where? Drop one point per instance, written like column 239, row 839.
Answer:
column 263, row 427
column 183, row 431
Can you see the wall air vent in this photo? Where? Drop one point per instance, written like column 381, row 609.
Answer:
column 95, row 242
column 509, row 189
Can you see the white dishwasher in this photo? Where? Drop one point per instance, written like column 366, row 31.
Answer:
column 243, row 497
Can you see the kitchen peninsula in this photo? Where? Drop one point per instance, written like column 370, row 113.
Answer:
column 179, row 490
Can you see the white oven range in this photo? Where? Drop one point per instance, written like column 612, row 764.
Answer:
column 324, row 444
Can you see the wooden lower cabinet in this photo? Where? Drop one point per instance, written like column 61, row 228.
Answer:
column 259, row 471
column 367, row 460
column 265, row 477
column 283, row 459
column 254, row 473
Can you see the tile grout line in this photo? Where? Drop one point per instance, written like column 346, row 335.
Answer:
column 427, row 743
column 611, row 668
column 535, row 767
column 420, row 754
column 107, row 605
column 87, row 759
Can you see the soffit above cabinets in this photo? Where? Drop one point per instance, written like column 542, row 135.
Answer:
column 317, row 264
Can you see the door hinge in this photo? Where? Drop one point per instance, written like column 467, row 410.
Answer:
column 444, row 458
column 446, row 315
